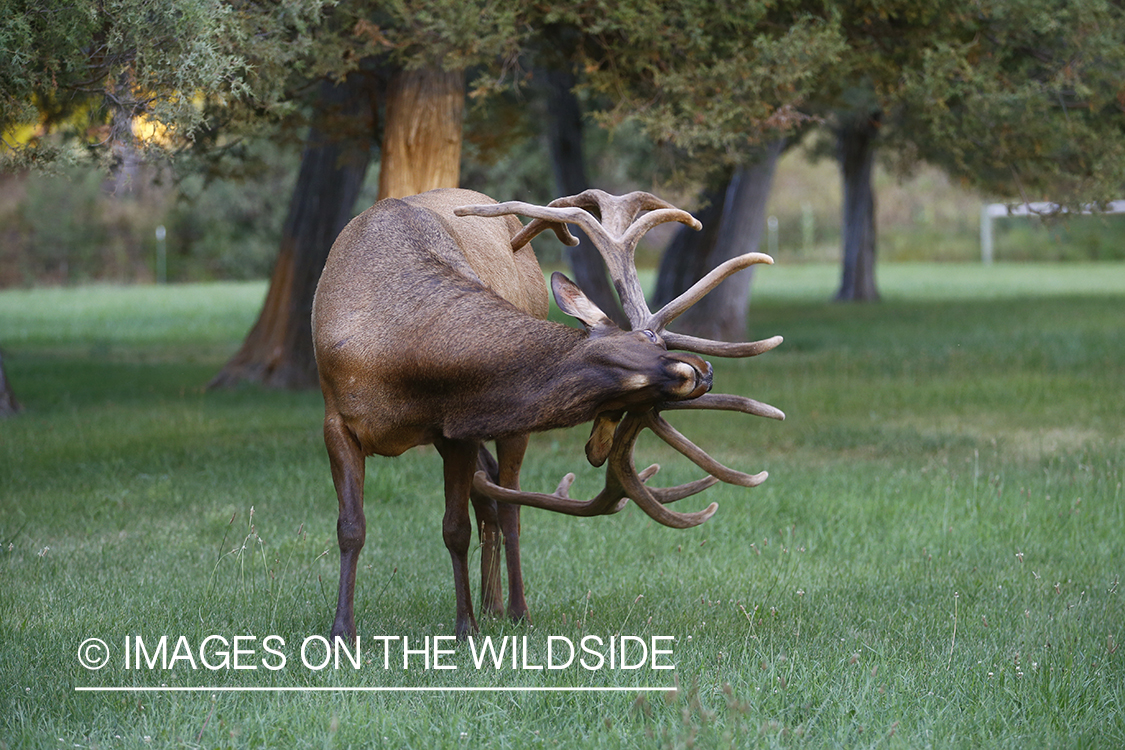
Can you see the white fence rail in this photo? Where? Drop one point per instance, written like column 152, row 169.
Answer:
column 991, row 211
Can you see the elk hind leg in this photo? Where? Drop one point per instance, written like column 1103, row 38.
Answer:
column 459, row 459
column 347, row 462
column 509, row 454
column 488, row 528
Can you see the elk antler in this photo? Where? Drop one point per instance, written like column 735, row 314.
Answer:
column 616, row 235
column 622, row 482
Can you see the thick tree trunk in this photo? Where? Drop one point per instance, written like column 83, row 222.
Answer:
column 564, row 136
column 8, row 403
column 422, row 137
column 685, row 260
column 278, row 350
column 737, row 230
column 855, row 140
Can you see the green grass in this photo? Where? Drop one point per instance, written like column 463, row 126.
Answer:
column 934, row 561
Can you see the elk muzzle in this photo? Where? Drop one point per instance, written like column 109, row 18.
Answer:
column 695, row 375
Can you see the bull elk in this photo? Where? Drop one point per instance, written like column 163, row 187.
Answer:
column 430, row 327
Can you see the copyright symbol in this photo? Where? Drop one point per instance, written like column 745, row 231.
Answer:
column 93, row 654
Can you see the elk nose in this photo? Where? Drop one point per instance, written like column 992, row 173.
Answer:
column 703, row 379
column 700, row 381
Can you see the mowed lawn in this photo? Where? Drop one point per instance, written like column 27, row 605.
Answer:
column 935, row 560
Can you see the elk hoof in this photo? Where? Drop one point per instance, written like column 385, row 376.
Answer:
column 344, row 630
column 463, row 628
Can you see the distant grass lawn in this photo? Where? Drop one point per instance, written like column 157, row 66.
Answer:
column 935, row 560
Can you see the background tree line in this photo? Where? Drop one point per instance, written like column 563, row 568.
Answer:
column 1023, row 98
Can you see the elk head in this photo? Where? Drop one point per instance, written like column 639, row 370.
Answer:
column 623, row 221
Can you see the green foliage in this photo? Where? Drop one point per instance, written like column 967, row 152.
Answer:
column 1025, row 99
column 63, row 220
column 711, row 80
column 935, row 559
column 230, row 227
column 1020, row 97
column 198, row 67
column 1072, row 238
column 39, row 43
column 89, row 70
column 453, row 34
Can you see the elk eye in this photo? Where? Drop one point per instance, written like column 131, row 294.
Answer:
column 651, row 337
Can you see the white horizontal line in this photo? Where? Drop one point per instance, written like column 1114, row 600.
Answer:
column 318, row 689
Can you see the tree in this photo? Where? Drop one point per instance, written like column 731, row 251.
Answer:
column 1025, row 99
column 733, row 221
column 84, row 74
column 422, row 145
column 856, row 135
column 430, row 44
column 858, row 104
column 76, row 78
column 1013, row 97
column 720, row 98
column 568, row 161
column 278, row 351
column 91, row 71
column 1016, row 96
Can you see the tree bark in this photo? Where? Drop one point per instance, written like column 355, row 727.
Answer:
column 8, row 403
column 564, row 137
column 422, row 137
column 855, row 139
column 737, row 229
column 278, row 351
column 685, row 260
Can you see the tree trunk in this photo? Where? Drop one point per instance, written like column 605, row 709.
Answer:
column 855, row 140
column 737, row 229
column 8, row 403
column 422, row 137
column 685, row 260
column 564, row 136
column 278, row 350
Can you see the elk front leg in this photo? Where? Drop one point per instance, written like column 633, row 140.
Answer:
column 509, row 454
column 347, row 461
column 460, row 463
column 488, row 528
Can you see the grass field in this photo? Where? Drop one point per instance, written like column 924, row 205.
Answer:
column 934, row 561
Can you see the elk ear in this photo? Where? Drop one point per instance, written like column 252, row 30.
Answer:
column 574, row 302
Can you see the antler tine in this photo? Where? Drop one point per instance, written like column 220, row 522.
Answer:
column 549, row 215
column 644, row 498
column 647, row 499
column 536, row 226
column 560, row 502
column 727, row 402
column 610, row 500
column 686, row 343
column 679, row 305
column 641, row 226
column 698, row 456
